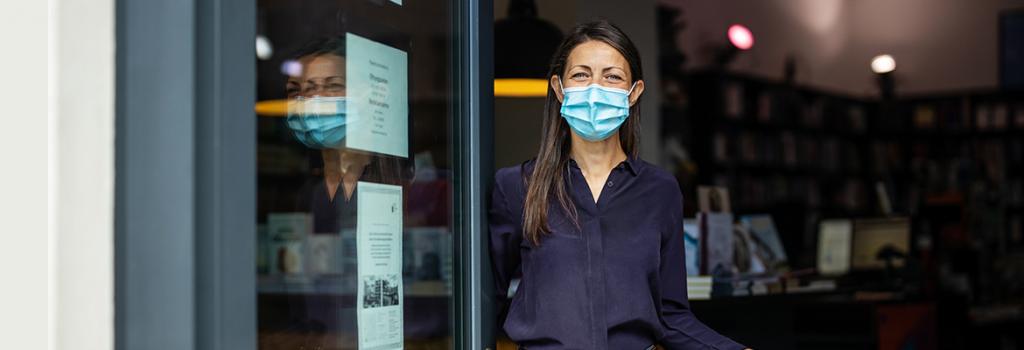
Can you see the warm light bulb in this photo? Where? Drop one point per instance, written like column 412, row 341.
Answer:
column 882, row 64
column 741, row 37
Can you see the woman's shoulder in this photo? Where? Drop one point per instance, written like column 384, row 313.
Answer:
column 657, row 175
column 659, row 180
column 512, row 179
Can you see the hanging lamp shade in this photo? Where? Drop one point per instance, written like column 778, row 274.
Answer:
column 523, row 46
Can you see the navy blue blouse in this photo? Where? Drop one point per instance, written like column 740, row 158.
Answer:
column 617, row 282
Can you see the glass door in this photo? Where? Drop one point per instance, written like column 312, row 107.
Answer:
column 355, row 177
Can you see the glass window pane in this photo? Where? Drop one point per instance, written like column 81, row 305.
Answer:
column 354, row 174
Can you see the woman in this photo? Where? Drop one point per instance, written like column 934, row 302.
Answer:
column 318, row 118
column 594, row 233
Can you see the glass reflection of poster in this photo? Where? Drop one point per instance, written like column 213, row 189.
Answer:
column 378, row 87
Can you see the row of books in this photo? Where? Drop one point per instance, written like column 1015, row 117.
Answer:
column 960, row 115
column 785, row 106
column 763, row 191
column 719, row 246
column 786, row 149
column 288, row 248
column 900, row 150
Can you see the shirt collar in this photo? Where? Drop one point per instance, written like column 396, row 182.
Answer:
column 631, row 164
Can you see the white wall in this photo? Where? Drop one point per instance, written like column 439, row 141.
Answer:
column 23, row 295
column 82, row 176
column 939, row 45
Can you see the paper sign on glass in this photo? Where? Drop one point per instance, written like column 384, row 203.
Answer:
column 377, row 83
column 379, row 254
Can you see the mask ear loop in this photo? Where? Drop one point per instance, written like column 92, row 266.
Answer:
column 561, row 87
column 630, row 92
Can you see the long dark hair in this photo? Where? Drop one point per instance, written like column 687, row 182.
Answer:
column 552, row 161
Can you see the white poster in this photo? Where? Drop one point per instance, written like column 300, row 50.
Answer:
column 834, row 239
column 378, row 97
column 379, row 266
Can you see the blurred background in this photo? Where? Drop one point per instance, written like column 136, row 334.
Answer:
column 870, row 154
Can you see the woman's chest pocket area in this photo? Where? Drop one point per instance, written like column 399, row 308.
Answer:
column 560, row 252
column 634, row 250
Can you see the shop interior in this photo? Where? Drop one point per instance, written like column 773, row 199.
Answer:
column 853, row 171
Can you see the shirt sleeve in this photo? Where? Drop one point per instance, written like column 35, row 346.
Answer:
column 505, row 237
column 682, row 328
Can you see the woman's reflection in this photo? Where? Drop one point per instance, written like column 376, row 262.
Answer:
column 319, row 118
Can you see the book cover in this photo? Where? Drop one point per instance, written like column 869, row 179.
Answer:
column 765, row 238
column 983, row 117
column 287, row 232
column 835, row 239
column 924, row 117
column 858, row 119
column 764, row 107
column 717, row 239
column 733, row 96
column 691, row 240
column 1018, row 116
column 1000, row 116
column 748, row 258
column 713, row 199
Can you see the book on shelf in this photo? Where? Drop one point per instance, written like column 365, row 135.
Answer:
column 924, row 117
column 747, row 258
column 1015, row 230
column 713, row 199
column 983, row 116
column 286, row 233
column 1000, row 116
column 858, row 120
column 830, row 157
column 748, row 147
column 733, row 96
column 716, row 237
column 952, row 114
column 812, row 115
column 851, row 157
column 721, row 148
column 764, row 107
column 789, row 149
column 835, row 240
column 691, row 242
column 699, row 287
column 765, row 238
column 809, row 155
column 1018, row 116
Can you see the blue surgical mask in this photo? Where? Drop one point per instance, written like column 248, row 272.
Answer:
column 318, row 122
column 595, row 112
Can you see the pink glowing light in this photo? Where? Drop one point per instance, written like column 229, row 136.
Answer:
column 741, row 37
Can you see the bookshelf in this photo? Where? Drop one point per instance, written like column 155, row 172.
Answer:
column 952, row 162
column 796, row 153
column 803, row 154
